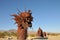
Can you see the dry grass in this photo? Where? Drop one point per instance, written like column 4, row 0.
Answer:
column 50, row 37
column 54, row 37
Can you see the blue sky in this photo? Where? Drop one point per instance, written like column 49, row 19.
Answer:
column 46, row 14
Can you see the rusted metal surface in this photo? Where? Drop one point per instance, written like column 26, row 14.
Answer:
column 40, row 33
column 23, row 20
column 44, row 34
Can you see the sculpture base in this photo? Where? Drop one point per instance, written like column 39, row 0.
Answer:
column 40, row 38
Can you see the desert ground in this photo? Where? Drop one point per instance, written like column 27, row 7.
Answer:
column 50, row 37
column 54, row 37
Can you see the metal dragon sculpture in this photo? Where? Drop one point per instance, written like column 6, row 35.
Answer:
column 23, row 21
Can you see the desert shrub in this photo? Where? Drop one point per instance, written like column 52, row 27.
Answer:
column 13, row 34
column 6, row 33
column 32, row 35
column 52, row 34
column 2, row 35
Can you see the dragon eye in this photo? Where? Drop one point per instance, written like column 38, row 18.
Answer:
column 27, row 18
column 29, row 22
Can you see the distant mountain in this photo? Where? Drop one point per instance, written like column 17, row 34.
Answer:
column 29, row 32
column 11, row 30
column 2, row 30
column 14, row 30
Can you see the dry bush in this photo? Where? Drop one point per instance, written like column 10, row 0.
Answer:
column 32, row 35
column 13, row 34
column 2, row 35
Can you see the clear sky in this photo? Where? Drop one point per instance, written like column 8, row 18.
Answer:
column 46, row 14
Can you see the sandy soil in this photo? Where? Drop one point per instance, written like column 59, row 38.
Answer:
column 49, row 38
column 54, row 37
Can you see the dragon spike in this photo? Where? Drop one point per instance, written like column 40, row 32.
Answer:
column 29, row 10
column 18, row 10
column 15, row 15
